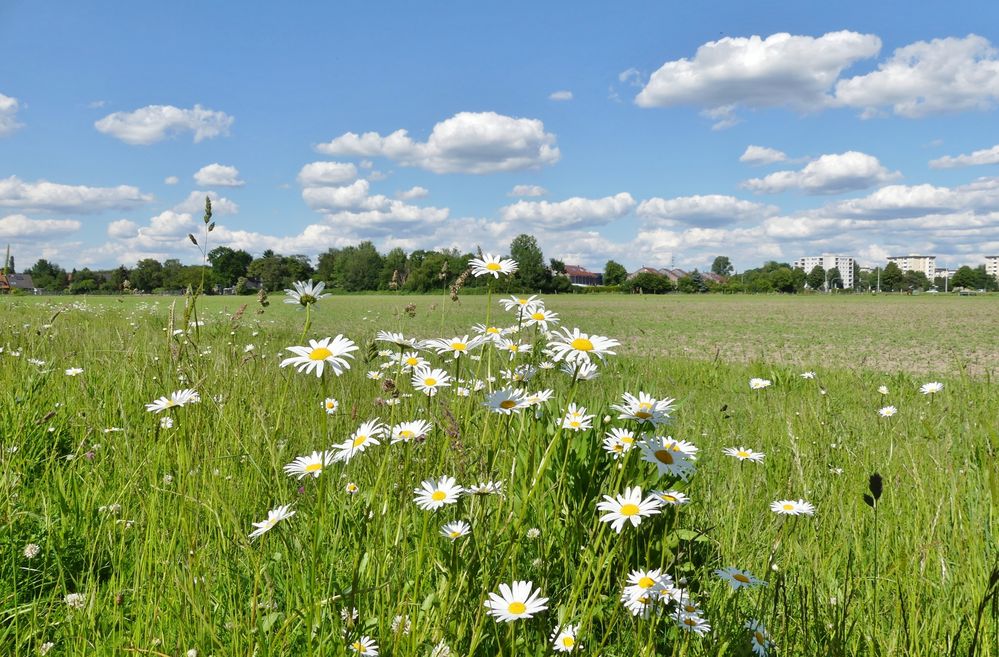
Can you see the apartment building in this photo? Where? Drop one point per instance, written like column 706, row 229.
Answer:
column 924, row 263
column 827, row 262
column 992, row 266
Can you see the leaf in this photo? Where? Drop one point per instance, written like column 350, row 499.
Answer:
column 869, row 500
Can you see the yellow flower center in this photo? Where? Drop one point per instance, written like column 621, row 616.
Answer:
column 514, row 347
column 312, row 467
column 454, row 534
column 690, row 609
column 743, row 454
column 522, row 302
column 429, row 382
column 643, row 415
column 629, row 509
column 568, row 641
column 581, row 344
column 459, row 346
column 412, row 362
column 574, row 424
column 493, row 330
column 690, row 621
column 538, row 316
column 627, row 440
column 329, row 404
column 618, row 447
column 760, row 639
column 788, row 507
column 664, row 456
column 360, row 440
column 507, row 404
column 646, row 582
column 493, row 266
column 669, row 499
column 739, row 577
column 438, row 495
column 406, row 433
column 517, row 608
column 320, row 353
column 359, row 647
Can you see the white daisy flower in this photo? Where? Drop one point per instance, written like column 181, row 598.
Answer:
column 744, row 454
column 366, row 436
column 887, row 411
column 305, row 293
column 74, row 371
column 738, row 578
column 564, row 638
column 521, row 304
column 540, row 317
column 672, row 458
column 455, row 530
column 630, row 507
column 407, row 431
column 760, row 384
column 330, row 405
column 515, row 602
column 274, row 516
column 931, row 388
column 310, row 465
column 644, row 408
column 432, row 495
column 492, row 264
column 506, row 401
column 365, row 646
column 575, row 346
column 792, row 508
column 331, row 352
column 176, row 399
column 429, row 380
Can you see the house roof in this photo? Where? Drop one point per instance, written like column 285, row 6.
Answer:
column 576, row 270
column 18, row 281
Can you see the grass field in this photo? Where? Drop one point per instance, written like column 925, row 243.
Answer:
column 123, row 536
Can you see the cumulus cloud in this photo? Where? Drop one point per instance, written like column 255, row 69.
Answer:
column 218, row 175
column 123, row 228
column 828, row 174
column 18, row 226
column 316, row 174
column 412, row 193
column 528, row 190
column 706, row 211
column 575, row 212
column 8, row 115
column 153, row 123
column 928, row 77
column 195, row 204
column 468, row 142
column 56, row 197
column 779, row 70
column 762, row 155
column 560, row 95
column 983, row 156
column 171, row 180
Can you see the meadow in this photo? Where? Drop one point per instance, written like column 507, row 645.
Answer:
column 128, row 531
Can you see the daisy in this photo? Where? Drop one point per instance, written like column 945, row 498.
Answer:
column 427, row 380
column 667, row 456
column 274, row 516
column 406, row 431
column 456, row 346
column 166, row 422
column 619, row 441
column 432, row 495
column 694, row 624
column 514, row 602
column 540, row 317
column 310, row 465
column 367, row 435
column 520, row 374
column 931, row 388
column 512, row 347
column 506, row 401
column 760, row 639
column 760, row 384
column 576, row 347
column 564, row 638
column 486, row 488
column 375, row 375
column 74, row 371
column 629, row 507
column 351, row 488
column 540, row 397
column 520, row 304
column 887, row 411
column 305, row 293
column 328, row 351
column 581, row 371
column 488, row 333
column 644, row 408
column 411, row 360
column 397, row 339
column 644, row 582
column 808, row 375
column 330, row 405
column 175, row 400
column 671, row 497
column 792, row 508
column 455, row 530
column 492, row 264
column 365, row 646
column 576, row 418
column 744, row 454
column 738, row 579
column 641, row 605
column 883, row 390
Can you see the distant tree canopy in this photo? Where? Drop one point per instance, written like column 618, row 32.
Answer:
column 722, row 266
column 614, row 273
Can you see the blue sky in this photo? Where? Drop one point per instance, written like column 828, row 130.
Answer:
column 681, row 131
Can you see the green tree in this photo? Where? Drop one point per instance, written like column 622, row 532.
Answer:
column 228, row 265
column 556, row 266
column 892, row 277
column 834, row 279
column 48, row 275
column 722, row 266
column 650, row 283
column 692, row 283
column 357, row 268
column 857, row 276
column 967, row 277
column 531, row 271
column 915, row 280
column 816, row 278
column 783, row 279
column 269, row 270
column 615, row 273
column 147, row 275
column 394, row 261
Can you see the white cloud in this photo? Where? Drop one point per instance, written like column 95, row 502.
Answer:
column 412, row 193
column 631, row 76
column 575, row 212
column 782, row 69
column 195, row 204
column 55, row 197
column 928, row 77
column 18, row 226
column 828, row 174
column 123, row 228
column 171, row 180
column 705, row 211
column 353, row 196
column 468, row 142
column 762, row 155
column 8, row 115
column 316, row 174
column 528, row 190
column 153, row 123
column 97, row 104
column 983, row 156
column 560, row 95
column 218, row 175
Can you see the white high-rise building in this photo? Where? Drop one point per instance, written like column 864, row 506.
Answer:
column 923, row 263
column 827, row 262
column 992, row 267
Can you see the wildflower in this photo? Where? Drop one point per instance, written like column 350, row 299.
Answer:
column 887, row 411
column 397, row 339
column 310, row 465
column 74, row 371
column 619, row 441
column 175, row 400
column 492, row 264
column 581, row 371
column 506, row 401
column 693, row 623
column 406, row 431
column 31, row 551
column 427, row 380
column 629, row 507
column 643, row 582
column 45, row 647
column 375, row 375
column 564, row 638
column 644, row 408
column 441, row 650
column 166, row 422
column 542, row 318
column 738, row 579
column 808, row 375
column 305, row 293
column 193, row 652
column 367, row 435
column 533, row 533
column 486, row 488
column 75, row 600
column 411, row 360
column 744, row 454
column 274, row 516
column 760, row 384
column 456, row 529
column 520, row 304
column 516, row 602
column 538, row 398
column 365, row 646
column 457, row 346
column 759, row 638
column 249, row 348
column 577, row 347
column 641, row 605
column 432, row 495
column 576, row 418
column 513, row 347
column 330, row 405
column 883, row 390
column 401, row 624
column 351, row 488
column 670, row 457
column 931, row 388
column 792, row 508
column 671, row 497
column 328, row 351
